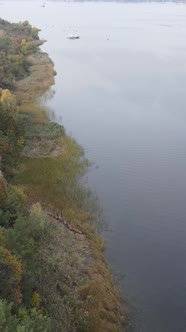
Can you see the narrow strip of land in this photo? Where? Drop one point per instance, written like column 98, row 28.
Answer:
column 68, row 278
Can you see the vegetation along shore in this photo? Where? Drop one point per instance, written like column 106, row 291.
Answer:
column 53, row 274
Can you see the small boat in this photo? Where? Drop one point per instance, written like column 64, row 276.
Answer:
column 73, row 37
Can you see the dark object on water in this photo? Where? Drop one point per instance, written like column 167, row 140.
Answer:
column 73, row 37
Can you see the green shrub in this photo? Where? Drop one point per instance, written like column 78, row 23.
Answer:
column 49, row 130
column 16, row 43
column 24, row 321
column 10, row 276
column 10, row 208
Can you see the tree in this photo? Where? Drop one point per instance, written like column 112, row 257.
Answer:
column 25, row 321
column 3, row 189
column 10, row 276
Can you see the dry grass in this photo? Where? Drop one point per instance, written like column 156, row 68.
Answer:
column 39, row 80
column 37, row 111
column 53, row 181
column 52, row 178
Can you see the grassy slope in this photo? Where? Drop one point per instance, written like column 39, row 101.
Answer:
column 49, row 169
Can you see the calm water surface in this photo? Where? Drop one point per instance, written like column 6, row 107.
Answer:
column 121, row 92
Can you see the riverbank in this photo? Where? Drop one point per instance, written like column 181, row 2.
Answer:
column 48, row 172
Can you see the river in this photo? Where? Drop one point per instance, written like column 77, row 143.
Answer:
column 120, row 90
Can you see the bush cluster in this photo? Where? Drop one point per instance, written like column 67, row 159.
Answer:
column 41, row 279
column 11, row 139
column 39, row 271
column 16, row 42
